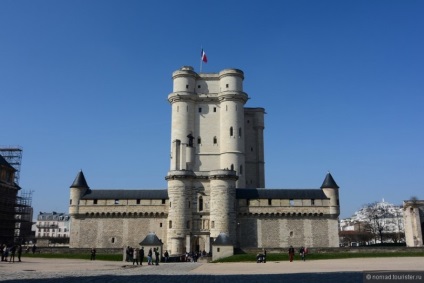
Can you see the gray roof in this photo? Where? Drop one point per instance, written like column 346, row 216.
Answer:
column 222, row 240
column 151, row 240
column 4, row 162
column 329, row 182
column 126, row 194
column 79, row 181
column 280, row 194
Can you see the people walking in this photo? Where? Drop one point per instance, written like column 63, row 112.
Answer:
column 93, row 254
column 157, row 255
column 141, row 255
column 136, row 255
column 19, row 252
column 149, row 257
column 291, row 253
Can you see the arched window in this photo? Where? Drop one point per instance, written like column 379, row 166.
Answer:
column 231, row 131
column 200, row 203
column 215, row 140
column 232, row 167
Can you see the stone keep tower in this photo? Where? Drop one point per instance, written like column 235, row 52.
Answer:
column 208, row 151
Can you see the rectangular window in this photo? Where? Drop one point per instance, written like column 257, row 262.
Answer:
column 94, row 201
column 138, row 201
column 116, row 201
column 312, row 202
column 200, row 109
column 291, row 202
column 163, row 201
column 269, row 201
column 214, row 109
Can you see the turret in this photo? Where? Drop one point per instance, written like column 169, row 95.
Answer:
column 222, row 203
column 232, row 99
column 78, row 189
column 331, row 190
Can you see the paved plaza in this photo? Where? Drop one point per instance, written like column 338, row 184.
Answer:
column 79, row 271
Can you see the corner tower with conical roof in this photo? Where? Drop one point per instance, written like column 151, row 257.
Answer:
column 78, row 189
column 331, row 190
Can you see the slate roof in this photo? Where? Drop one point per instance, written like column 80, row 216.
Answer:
column 222, row 240
column 126, row 194
column 151, row 240
column 79, row 181
column 5, row 163
column 280, row 194
column 329, row 182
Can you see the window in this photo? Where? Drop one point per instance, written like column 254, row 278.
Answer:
column 239, row 132
column 160, row 224
column 291, row 233
column 200, row 203
column 218, row 250
column 199, row 140
column 231, row 131
column 200, row 109
column 214, row 109
column 94, row 201
column 116, row 201
column 291, row 202
column 226, row 85
column 186, row 86
column 138, row 201
column 198, row 86
column 269, row 201
column 113, row 240
column 215, row 140
column 70, row 201
column 312, row 202
column 163, row 201
column 170, row 224
column 232, row 167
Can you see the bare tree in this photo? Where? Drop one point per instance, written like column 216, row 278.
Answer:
column 377, row 216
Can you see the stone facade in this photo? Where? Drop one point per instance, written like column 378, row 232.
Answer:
column 413, row 217
column 215, row 183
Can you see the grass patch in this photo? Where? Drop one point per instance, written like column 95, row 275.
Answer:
column 110, row 257
column 319, row 256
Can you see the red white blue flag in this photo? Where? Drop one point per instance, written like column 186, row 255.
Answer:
column 203, row 56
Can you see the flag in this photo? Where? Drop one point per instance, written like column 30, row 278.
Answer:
column 203, row 56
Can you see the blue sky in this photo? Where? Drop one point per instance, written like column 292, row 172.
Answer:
column 84, row 85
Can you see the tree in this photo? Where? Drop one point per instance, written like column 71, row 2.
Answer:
column 377, row 215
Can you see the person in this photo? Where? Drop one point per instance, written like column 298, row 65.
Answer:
column 166, row 255
column 291, row 253
column 141, row 255
column 19, row 252
column 264, row 255
column 34, row 248
column 1, row 252
column 136, row 255
column 149, row 257
column 93, row 254
column 12, row 253
column 157, row 255
column 127, row 254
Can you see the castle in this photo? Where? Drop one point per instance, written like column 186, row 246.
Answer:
column 216, row 183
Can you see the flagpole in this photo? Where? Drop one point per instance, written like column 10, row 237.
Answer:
column 201, row 59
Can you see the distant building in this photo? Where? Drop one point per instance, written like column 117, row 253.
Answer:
column 52, row 228
column 8, row 196
column 414, row 222
column 358, row 227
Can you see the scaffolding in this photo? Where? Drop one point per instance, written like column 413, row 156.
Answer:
column 13, row 155
column 23, row 217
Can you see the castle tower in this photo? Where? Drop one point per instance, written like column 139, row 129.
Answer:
column 331, row 190
column 232, row 99
column 223, row 203
column 78, row 188
column 179, row 216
